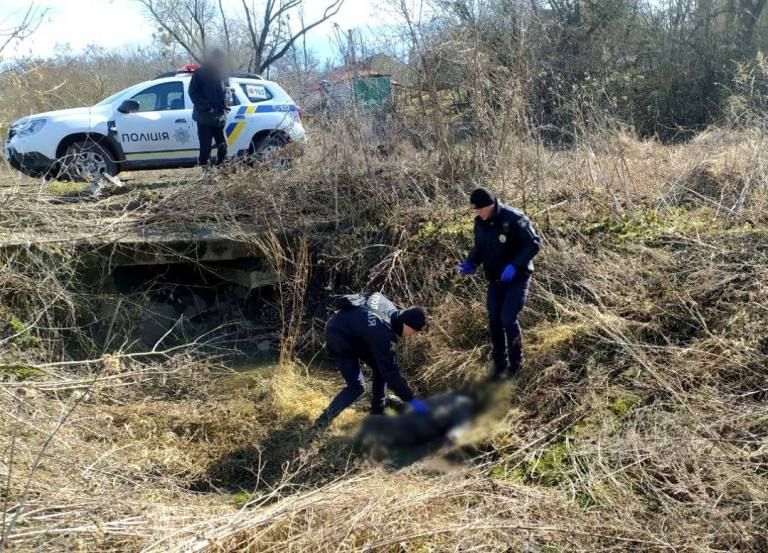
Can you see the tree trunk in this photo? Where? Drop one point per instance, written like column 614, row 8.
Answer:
column 751, row 10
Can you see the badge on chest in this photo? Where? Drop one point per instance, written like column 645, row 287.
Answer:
column 504, row 232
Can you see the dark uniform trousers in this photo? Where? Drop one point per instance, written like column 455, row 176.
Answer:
column 505, row 302
column 206, row 133
column 349, row 367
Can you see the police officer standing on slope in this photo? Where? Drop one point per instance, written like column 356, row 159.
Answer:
column 367, row 329
column 208, row 93
column 505, row 244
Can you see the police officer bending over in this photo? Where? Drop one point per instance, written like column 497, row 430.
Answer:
column 366, row 329
column 505, row 244
column 209, row 100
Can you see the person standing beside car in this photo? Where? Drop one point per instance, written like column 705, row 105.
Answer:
column 209, row 98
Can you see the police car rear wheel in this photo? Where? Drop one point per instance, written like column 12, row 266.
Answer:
column 85, row 161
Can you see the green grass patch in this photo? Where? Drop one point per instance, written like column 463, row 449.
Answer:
column 16, row 373
column 623, row 404
column 649, row 225
column 550, row 468
column 67, row 188
column 456, row 229
column 241, row 499
column 20, row 333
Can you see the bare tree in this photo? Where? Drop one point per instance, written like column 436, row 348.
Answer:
column 225, row 27
column 273, row 38
column 186, row 22
column 268, row 31
column 15, row 30
column 750, row 11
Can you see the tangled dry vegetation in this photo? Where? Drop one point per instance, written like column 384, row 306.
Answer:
column 639, row 423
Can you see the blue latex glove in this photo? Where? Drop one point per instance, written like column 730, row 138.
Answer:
column 466, row 269
column 509, row 273
column 419, row 406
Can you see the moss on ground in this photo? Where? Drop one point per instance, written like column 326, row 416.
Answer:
column 16, row 372
column 67, row 188
column 241, row 499
column 650, row 224
column 621, row 405
column 20, row 335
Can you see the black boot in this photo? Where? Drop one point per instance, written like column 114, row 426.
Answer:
column 321, row 424
column 498, row 374
column 397, row 405
column 514, row 366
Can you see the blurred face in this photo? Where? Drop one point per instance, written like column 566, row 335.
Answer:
column 409, row 331
column 218, row 63
column 486, row 212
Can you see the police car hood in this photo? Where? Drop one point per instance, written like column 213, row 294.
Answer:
column 83, row 116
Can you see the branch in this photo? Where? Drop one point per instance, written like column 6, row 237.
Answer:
column 226, row 31
column 28, row 25
column 265, row 27
column 36, row 463
column 150, row 7
column 330, row 11
column 252, row 32
column 198, row 17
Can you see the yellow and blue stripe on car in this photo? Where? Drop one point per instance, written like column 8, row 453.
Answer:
column 234, row 130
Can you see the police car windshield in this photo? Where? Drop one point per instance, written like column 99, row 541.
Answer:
column 115, row 96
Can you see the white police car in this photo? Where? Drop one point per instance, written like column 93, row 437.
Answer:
column 150, row 126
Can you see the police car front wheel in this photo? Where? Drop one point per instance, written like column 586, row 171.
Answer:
column 268, row 150
column 86, row 160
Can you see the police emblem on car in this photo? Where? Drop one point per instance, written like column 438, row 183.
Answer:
column 182, row 135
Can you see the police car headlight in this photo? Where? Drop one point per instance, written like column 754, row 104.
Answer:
column 29, row 126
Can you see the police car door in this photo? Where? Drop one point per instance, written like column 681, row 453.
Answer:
column 237, row 139
column 161, row 131
column 242, row 121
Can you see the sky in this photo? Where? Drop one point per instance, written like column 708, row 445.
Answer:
column 121, row 23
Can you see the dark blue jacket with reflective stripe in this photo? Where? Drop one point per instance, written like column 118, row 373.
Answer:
column 507, row 237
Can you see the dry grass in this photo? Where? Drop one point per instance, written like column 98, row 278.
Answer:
column 639, row 422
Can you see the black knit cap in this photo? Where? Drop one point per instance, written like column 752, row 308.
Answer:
column 415, row 317
column 481, row 197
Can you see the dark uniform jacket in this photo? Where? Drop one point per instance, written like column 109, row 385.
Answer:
column 368, row 329
column 507, row 237
column 209, row 97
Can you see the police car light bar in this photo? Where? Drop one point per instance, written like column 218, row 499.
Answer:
column 192, row 67
column 189, row 68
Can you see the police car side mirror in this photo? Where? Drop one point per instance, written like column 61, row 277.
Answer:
column 129, row 106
